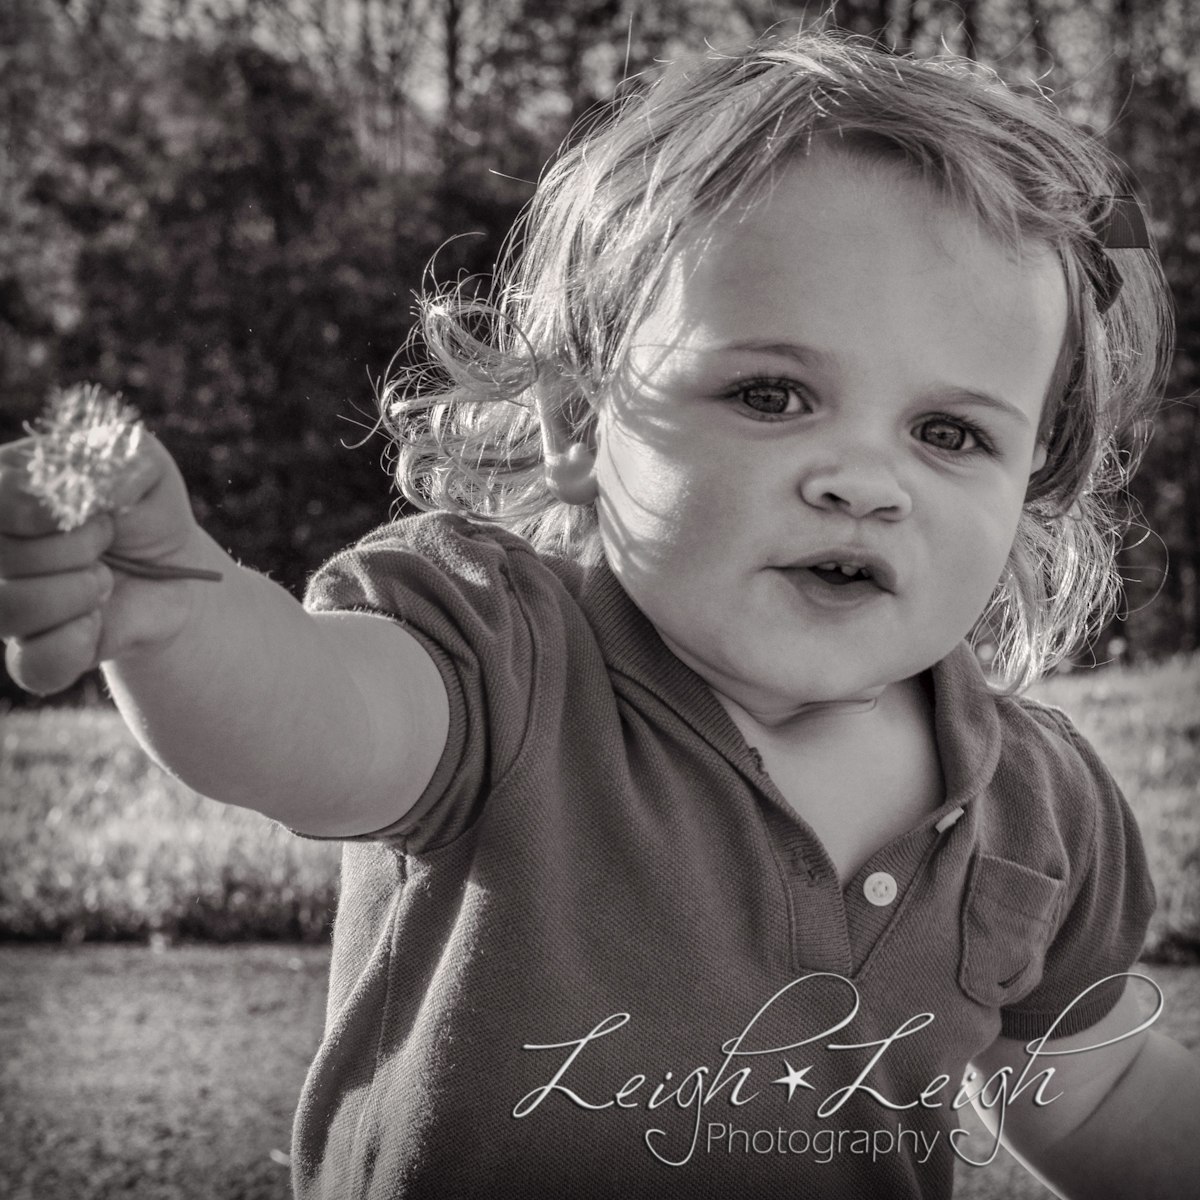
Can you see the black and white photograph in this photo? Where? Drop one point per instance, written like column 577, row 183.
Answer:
column 600, row 599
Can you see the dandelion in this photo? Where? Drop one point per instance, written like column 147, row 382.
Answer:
column 81, row 448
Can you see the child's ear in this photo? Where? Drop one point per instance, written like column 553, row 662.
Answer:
column 570, row 465
column 571, row 476
column 1039, row 459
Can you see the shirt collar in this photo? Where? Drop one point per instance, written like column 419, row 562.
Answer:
column 966, row 724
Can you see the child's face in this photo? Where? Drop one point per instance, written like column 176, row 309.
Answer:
column 852, row 373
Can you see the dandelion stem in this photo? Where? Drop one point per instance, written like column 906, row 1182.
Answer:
column 149, row 570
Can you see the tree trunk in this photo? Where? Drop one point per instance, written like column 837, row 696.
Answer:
column 452, row 25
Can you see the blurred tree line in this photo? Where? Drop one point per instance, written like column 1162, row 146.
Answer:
column 224, row 209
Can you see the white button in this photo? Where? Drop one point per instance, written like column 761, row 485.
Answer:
column 880, row 888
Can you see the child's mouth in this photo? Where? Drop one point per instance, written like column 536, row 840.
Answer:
column 845, row 580
column 840, row 574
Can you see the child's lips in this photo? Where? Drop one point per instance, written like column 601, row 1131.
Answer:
column 818, row 586
column 845, row 569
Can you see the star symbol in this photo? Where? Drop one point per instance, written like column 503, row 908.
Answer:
column 795, row 1079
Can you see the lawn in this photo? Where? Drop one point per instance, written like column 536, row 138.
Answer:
column 171, row 1074
column 150, row 1074
column 1146, row 724
column 98, row 843
column 162, row 1065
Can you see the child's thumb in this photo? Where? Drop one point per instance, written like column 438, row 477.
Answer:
column 141, row 475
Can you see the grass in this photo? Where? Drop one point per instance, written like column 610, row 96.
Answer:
column 1145, row 722
column 154, row 1075
column 131, row 1073
column 99, row 843
column 159, row 1071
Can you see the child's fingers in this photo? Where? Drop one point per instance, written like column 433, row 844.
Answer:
column 21, row 557
column 54, row 660
column 142, row 475
column 33, row 606
column 151, row 513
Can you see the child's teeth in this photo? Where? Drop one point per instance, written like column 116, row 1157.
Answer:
column 827, row 566
column 847, row 569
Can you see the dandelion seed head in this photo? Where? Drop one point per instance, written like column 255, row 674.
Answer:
column 82, row 445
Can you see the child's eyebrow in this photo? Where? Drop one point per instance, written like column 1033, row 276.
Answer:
column 810, row 356
column 983, row 400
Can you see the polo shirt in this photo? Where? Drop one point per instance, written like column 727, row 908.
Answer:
column 603, row 957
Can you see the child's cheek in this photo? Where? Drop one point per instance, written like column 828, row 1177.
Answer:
column 645, row 492
column 976, row 555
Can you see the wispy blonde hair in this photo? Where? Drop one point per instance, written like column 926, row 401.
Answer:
column 588, row 259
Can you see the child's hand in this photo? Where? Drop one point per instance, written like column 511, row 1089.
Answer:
column 62, row 610
column 332, row 723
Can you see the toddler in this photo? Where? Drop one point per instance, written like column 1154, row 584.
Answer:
column 688, row 850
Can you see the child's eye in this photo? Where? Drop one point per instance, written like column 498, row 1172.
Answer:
column 944, row 434
column 772, row 398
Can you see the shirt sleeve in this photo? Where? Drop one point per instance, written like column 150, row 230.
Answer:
column 448, row 582
column 1109, row 909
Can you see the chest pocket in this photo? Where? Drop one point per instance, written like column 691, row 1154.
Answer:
column 1009, row 918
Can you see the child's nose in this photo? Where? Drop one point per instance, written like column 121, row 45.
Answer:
column 861, row 488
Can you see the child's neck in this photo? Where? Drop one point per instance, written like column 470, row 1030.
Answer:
column 859, row 772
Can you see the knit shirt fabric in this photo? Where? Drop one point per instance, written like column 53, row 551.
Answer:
column 603, row 957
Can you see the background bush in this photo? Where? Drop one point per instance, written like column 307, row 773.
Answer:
column 99, row 843
column 225, row 210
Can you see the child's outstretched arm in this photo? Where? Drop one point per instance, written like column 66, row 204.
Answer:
column 331, row 723
column 1126, row 1120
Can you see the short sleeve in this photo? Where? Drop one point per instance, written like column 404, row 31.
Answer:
column 1109, row 907
column 449, row 582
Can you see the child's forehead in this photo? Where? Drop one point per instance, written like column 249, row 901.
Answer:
column 830, row 187
column 830, row 218
column 855, row 266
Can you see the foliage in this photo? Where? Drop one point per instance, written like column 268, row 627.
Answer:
column 38, row 250
column 97, row 842
column 236, row 303
column 224, row 209
column 1159, row 136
